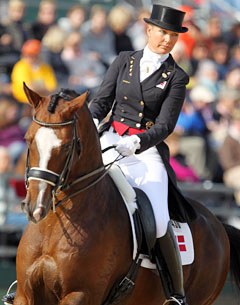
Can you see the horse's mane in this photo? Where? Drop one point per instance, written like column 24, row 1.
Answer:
column 66, row 94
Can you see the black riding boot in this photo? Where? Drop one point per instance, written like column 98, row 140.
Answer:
column 170, row 267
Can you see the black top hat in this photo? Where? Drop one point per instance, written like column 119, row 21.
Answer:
column 167, row 18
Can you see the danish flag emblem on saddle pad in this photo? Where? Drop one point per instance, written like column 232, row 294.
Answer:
column 185, row 243
column 184, row 240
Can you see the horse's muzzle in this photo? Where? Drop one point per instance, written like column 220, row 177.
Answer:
column 38, row 214
column 34, row 214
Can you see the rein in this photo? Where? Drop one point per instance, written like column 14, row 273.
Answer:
column 59, row 181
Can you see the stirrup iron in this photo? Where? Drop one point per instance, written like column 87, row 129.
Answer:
column 172, row 299
column 4, row 299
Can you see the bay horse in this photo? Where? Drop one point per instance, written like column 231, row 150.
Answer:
column 78, row 243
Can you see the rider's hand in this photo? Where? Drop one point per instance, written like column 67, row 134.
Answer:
column 127, row 146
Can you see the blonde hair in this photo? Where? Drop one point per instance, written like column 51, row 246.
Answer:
column 16, row 3
column 54, row 39
column 119, row 18
column 43, row 2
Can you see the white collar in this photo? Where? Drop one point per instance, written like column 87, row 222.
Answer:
column 147, row 53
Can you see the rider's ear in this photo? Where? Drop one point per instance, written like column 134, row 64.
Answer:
column 32, row 96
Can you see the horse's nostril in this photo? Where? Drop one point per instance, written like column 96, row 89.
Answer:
column 39, row 213
column 23, row 203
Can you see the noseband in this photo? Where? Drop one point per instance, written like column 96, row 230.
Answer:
column 59, row 181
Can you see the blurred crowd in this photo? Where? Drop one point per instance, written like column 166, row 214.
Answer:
column 74, row 52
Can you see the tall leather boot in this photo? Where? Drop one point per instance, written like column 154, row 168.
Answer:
column 169, row 265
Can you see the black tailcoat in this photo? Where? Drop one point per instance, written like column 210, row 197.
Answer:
column 155, row 102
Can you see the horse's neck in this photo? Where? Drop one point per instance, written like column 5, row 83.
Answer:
column 91, row 155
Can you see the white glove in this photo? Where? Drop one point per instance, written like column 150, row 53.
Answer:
column 96, row 122
column 127, row 146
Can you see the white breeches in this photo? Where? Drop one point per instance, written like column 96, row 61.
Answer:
column 147, row 172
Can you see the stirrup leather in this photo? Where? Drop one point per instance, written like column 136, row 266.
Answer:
column 173, row 299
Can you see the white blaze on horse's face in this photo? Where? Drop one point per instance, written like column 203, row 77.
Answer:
column 46, row 141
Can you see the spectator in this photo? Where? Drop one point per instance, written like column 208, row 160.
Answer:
column 207, row 75
column 137, row 31
column 232, row 36
column 220, row 55
column 229, row 154
column 6, row 165
column 193, row 127
column 7, row 194
column 213, row 31
column 11, row 134
column 232, row 78
column 8, row 57
column 192, row 120
column 30, row 69
column 15, row 25
column 183, row 171
column 52, row 46
column 98, row 37
column 194, row 34
column 46, row 17
column 12, row 188
column 200, row 52
column 85, row 69
column 222, row 111
column 119, row 19
column 74, row 19
column 234, row 56
column 179, row 55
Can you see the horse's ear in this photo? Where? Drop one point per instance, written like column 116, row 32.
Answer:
column 32, row 96
column 77, row 102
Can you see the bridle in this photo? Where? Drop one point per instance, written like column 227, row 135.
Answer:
column 59, row 182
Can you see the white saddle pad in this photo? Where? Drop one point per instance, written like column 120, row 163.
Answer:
column 182, row 231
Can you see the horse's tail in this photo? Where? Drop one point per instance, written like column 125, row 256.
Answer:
column 234, row 238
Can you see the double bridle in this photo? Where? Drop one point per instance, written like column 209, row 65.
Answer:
column 59, row 182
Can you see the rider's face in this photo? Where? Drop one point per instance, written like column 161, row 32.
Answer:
column 161, row 41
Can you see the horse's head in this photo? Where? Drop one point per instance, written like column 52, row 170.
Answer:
column 59, row 143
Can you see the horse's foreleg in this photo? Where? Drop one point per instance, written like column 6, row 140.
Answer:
column 75, row 298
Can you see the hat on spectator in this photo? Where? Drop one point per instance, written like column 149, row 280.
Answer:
column 167, row 18
column 201, row 93
column 31, row 47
